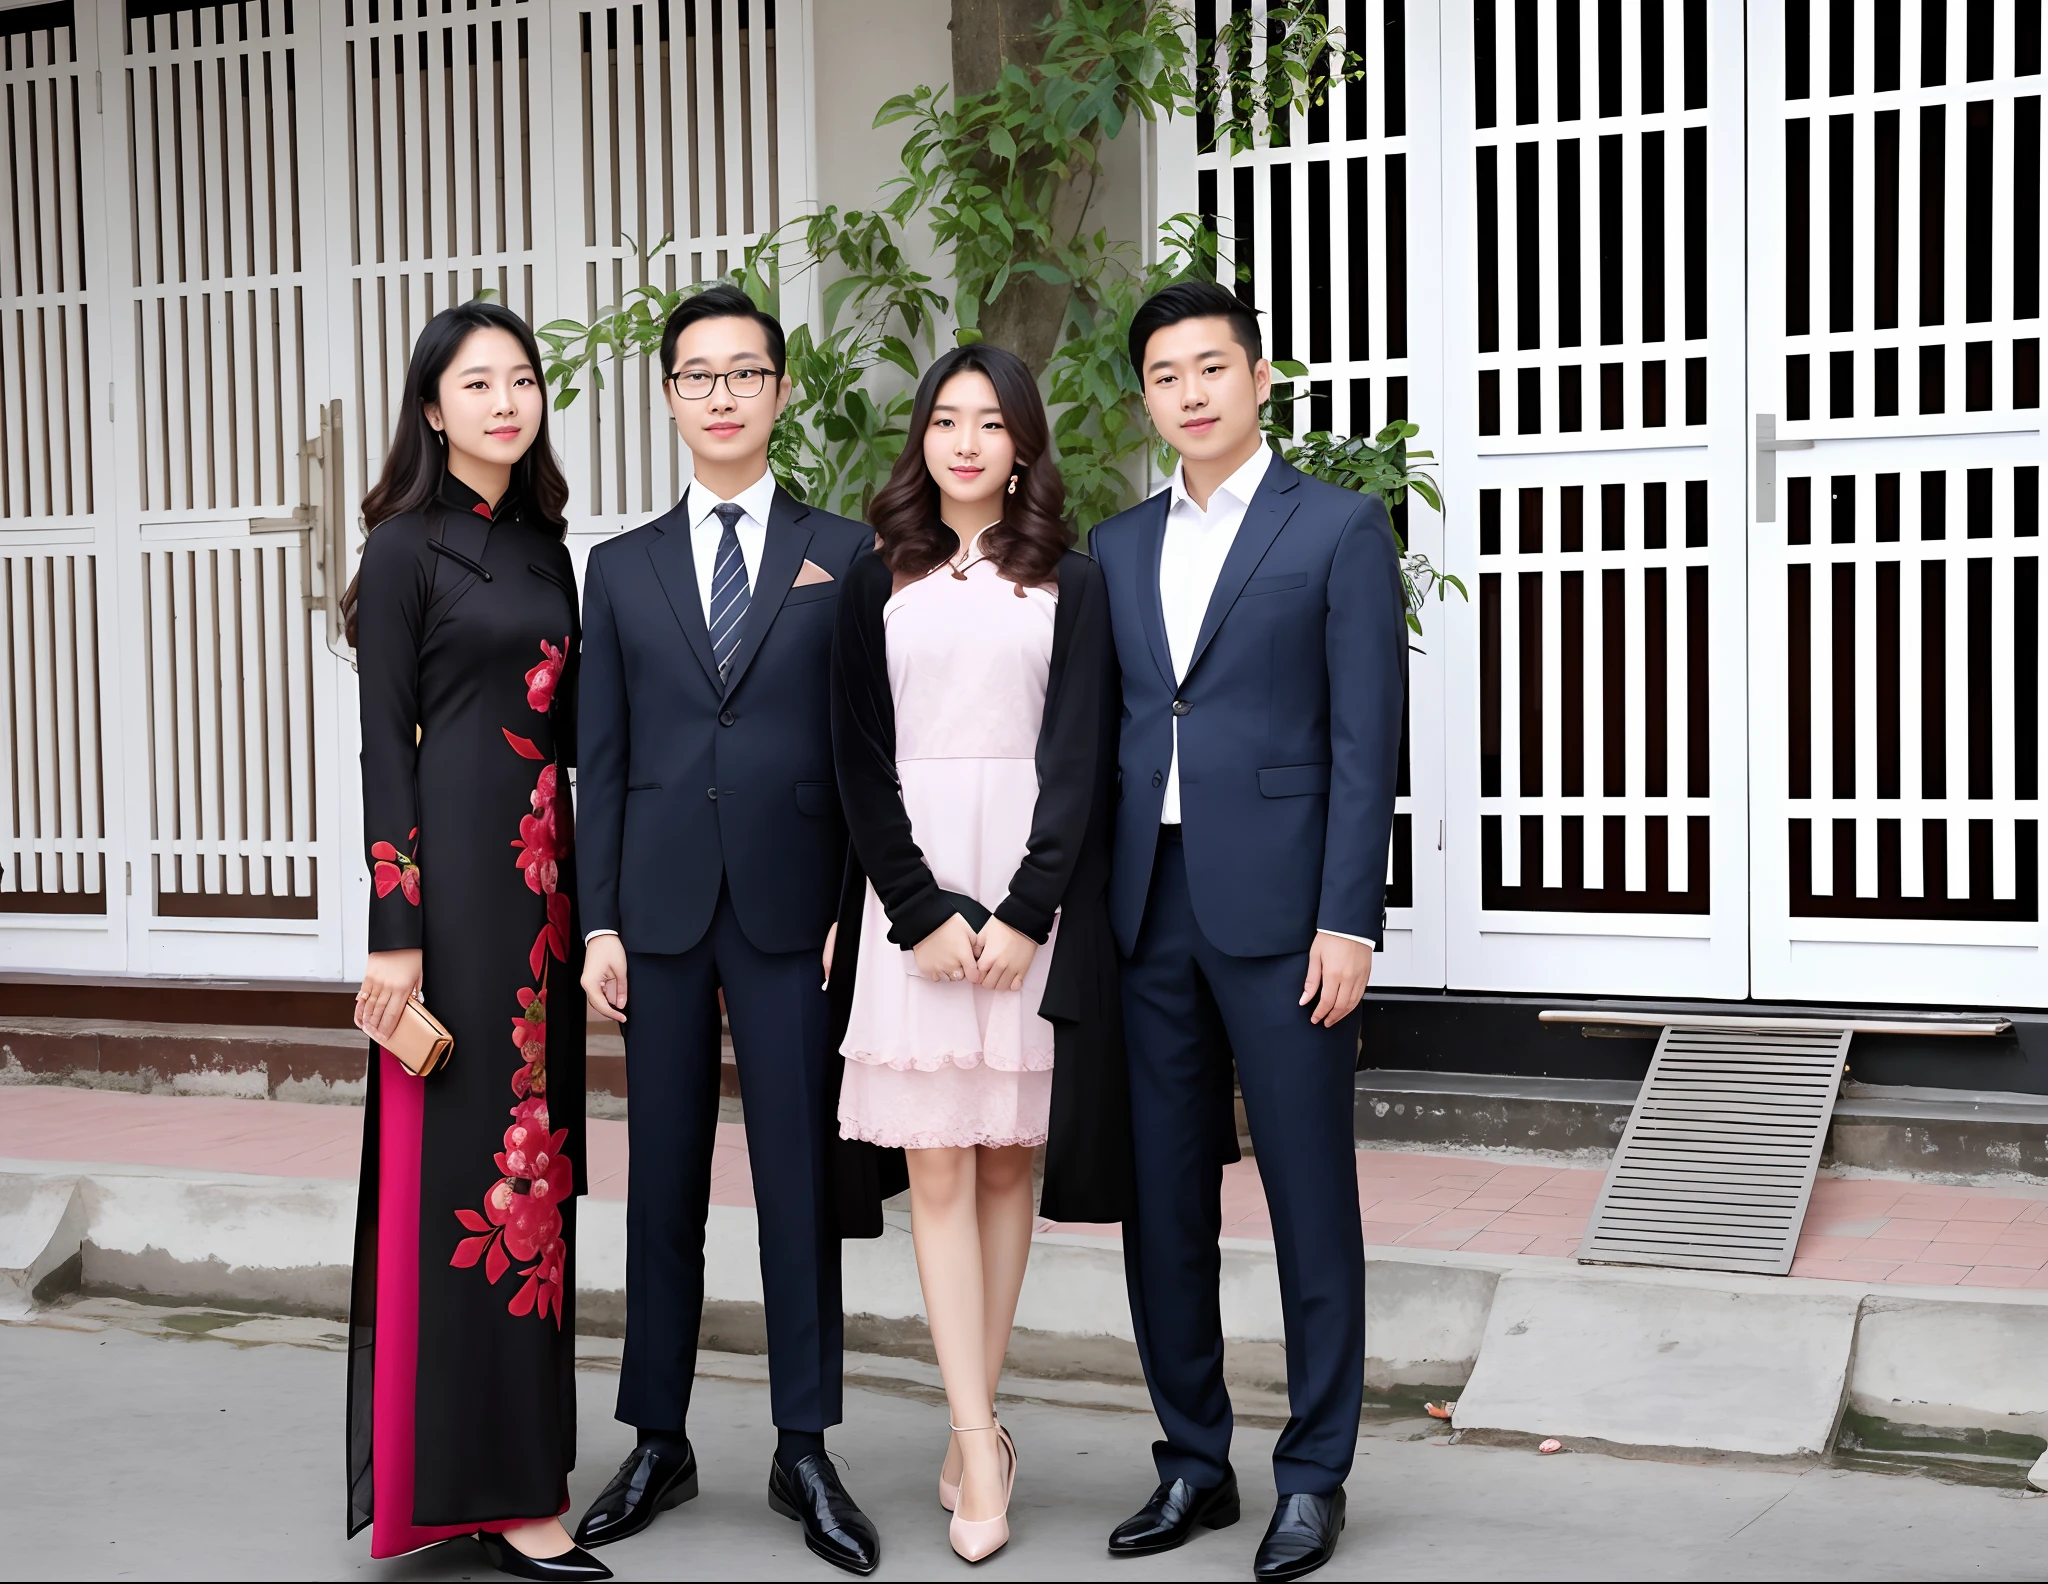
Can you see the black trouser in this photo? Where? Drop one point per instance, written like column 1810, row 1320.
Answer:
column 1187, row 1009
column 788, row 1074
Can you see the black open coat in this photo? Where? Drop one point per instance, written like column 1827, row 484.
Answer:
column 1065, row 870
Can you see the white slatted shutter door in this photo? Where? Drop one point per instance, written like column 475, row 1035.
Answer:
column 61, row 901
column 442, row 120
column 1895, row 190
column 686, row 119
column 1592, row 200
column 1329, row 218
column 229, row 688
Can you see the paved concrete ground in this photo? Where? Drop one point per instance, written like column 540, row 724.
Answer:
column 168, row 1445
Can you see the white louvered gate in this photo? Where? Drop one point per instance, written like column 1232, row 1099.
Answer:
column 221, row 357
column 61, row 902
column 1595, row 776
column 227, row 222
column 1895, row 225
column 226, row 225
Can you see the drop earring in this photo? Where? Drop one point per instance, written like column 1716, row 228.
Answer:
column 1013, row 485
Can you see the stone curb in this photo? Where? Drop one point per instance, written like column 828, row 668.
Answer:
column 1649, row 1362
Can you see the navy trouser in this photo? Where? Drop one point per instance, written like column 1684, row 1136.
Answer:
column 1187, row 1009
column 789, row 1082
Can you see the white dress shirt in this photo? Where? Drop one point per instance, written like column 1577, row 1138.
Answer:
column 705, row 531
column 1197, row 542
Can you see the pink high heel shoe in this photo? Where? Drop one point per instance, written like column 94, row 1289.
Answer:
column 977, row 1539
column 949, row 1490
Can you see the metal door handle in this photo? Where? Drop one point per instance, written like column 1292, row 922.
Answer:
column 1768, row 445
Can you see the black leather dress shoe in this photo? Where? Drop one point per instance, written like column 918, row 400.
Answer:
column 1170, row 1517
column 834, row 1527
column 650, row 1481
column 573, row 1564
column 1301, row 1537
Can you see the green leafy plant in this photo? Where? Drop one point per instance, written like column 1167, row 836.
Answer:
column 1007, row 179
column 836, row 441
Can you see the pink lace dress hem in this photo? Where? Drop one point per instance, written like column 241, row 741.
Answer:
column 946, row 1066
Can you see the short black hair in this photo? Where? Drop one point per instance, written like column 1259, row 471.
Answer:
column 1193, row 299
column 720, row 302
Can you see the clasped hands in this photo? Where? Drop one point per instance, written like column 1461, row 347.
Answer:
column 995, row 959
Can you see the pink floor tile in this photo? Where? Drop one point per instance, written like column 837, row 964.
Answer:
column 1839, row 1226
column 1541, row 1225
column 1950, row 1251
column 1995, row 1276
column 1911, row 1227
column 1830, row 1248
column 1857, row 1230
column 1558, row 1204
column 1999, row 1210
column 1845, row 1270
column 1891, row 1248
column 1463, row 1222
column 2012, row 1258
column 1498, row 1242
column 1979, row 1232
column 1929, row 1203
column 1432, row 1238
column 1920, row 1275
column 1411, row 1214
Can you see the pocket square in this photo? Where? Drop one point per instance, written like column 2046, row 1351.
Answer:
column 811, row 573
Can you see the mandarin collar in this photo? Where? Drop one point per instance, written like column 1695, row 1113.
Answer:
column 461, row 497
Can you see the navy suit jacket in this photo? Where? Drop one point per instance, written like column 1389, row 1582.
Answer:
column 1290, row 725
column 683, row 781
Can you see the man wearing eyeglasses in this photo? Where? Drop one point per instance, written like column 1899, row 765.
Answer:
column 712, row 850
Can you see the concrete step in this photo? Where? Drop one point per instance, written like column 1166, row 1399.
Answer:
column 246, row 1061
column 1879, row 1127
column 1656, row 1363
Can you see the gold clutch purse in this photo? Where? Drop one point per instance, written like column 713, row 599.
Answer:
column 420, row 1042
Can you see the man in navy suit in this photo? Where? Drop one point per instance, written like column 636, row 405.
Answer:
column 711, row 851
column 1261, row 632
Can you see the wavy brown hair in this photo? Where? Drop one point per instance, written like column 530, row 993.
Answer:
column 1027, row 544
column 416, row 460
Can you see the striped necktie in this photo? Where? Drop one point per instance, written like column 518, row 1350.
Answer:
column 728, row 587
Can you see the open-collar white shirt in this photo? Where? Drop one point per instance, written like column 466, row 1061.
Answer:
column 1198, row 540
column 706, row 530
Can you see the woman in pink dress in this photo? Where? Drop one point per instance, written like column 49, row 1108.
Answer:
column 974, row 729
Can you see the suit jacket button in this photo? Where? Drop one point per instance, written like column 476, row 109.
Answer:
column 1181, row 706
column 711, row 793
column 725, row 717
column 1158, row 778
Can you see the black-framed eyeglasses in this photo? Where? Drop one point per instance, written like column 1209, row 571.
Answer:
column 741, row 383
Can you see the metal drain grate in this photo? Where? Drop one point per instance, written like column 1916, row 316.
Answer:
column 1718, row 1161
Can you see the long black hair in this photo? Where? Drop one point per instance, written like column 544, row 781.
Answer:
column 1027, row 544
column 416, row 460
